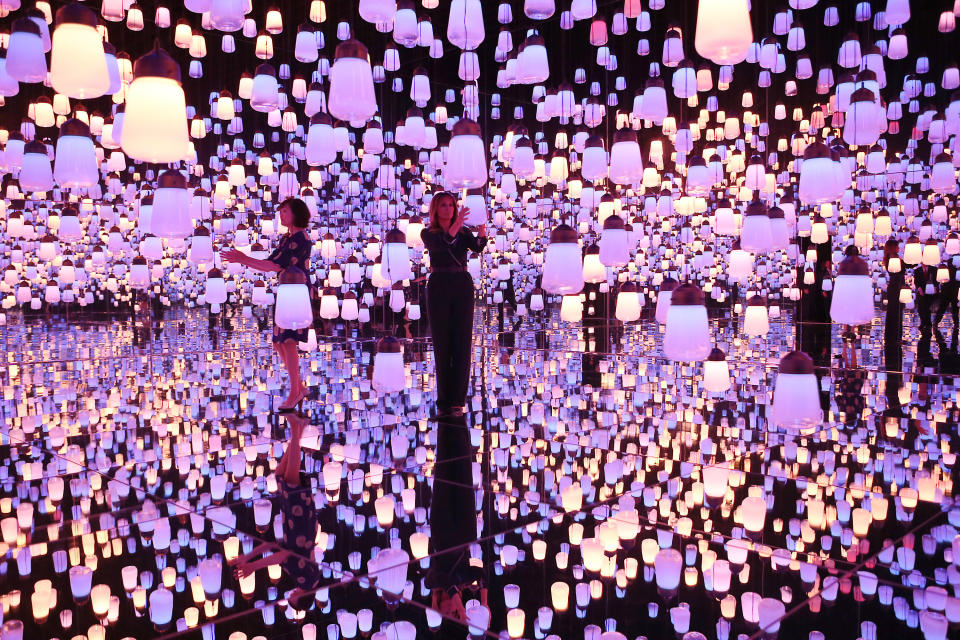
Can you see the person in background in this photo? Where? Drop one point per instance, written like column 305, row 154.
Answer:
column 949, row 292
column 293, row 253
column 450, row 299
column 925, row 282
column 893, row 325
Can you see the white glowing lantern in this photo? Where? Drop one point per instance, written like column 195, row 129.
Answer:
column 796, row 395
column 293, row 308
column 724, row 32
column 75, row 162
column 466, row 165
column 78, row 65
column 629, row 305
column 852, row 301
column 352, row 96
column 687, row 334
column 171, row 204
column 388, row 371
column 716, row 375
column 155, row 124
column 563, row 264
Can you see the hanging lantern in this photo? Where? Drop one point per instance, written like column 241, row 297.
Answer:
column 293, row 308
column 852, row 301
column 756, row 320
column 629, row 305
column 626, row 160
column 155, row 124
column 716, row 374
column 687, row 334
column 171, row 202
column 26, row 61
column 614, row 242
column 216, row 289
column 75, row 162
column 395, row 263
column 664, row 298
column 78, row 64
column 755, row 234
column 563, row 264
column 36, row 174
column 796, row 395
column 465, row 29
column 227, row 15
column 388, row 371
column 352, row 97
column 466, row 165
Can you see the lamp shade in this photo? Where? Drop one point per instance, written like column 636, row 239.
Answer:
column 796, row 395
column 756, row 235
column 293, row 308
column 78, row 64
column 852, row 301
column 467, row 160
column 36, row 174
column 352, row 97
column 716, row 373
column 724, row 32
column 614, row 242
column 75, row 162
column 664, row 297
column 687, row 334
column 388, row 371
column 563, row 263
column 171, row 206
column 395, row 264
column 155, row 121
column 629, row 305
column 626, row 160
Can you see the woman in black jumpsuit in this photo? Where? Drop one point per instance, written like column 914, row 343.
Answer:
column 450, row 299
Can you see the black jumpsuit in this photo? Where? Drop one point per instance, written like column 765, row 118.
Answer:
column 450, row 299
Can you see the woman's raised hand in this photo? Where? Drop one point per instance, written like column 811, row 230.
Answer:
column 232, row 255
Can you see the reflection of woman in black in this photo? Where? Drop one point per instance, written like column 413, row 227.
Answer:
column 450, row 296
column 299, row 514
column 893, row 327
column 849, row 385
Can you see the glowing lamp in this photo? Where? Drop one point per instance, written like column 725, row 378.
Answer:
column 75, row 161
column 78, row 64
column 716, row 375
column 852, row 301
column 466, row 165
column 155, row 124
column 293, row 308
column 563, row 265
column 687, row 334
column 171, row 201
column 796, row 395
column 351, row 95
column 629, row 305
column 389, row 375
column 724, row 32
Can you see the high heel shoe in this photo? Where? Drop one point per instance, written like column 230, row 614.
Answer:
column 285, row 408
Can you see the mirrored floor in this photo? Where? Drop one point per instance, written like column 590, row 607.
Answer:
column 592, row 486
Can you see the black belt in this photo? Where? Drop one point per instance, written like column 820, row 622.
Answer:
column 457, row 269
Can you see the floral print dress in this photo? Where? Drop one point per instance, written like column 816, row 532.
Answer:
column 293, row 253
column 299, row 534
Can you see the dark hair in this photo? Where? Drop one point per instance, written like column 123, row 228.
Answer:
column 891, row 249
column 435, row 205
column 301, row 214
column 852, row 251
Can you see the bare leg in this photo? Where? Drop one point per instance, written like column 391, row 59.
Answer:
column 291, row 360
column 290, row 462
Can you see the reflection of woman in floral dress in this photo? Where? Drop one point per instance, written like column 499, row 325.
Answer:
column 293, row 253
column 299, row 514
